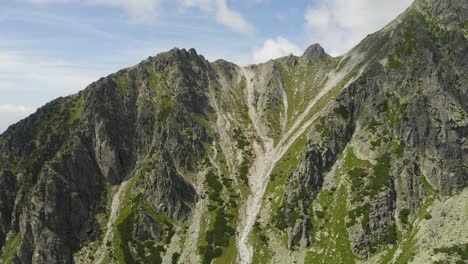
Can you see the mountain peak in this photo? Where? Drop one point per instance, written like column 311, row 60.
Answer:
column 314, row 52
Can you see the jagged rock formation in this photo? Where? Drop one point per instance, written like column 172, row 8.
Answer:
column 310, row 159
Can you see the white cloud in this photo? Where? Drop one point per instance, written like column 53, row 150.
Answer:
column 139, row 11
column 10, row 114
column 232, row 19
column 18, row 69
column 223, row 14
column 205, row 5
column 338, row 25
column 318, row 18
column 143, row 11
column 275, row 48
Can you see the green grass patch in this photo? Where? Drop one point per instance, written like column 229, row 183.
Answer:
column 283, row 168
column 342, row 111
column 241, row 140
column 460, row 251
column 324, row 100
column 229, row 253
column 293, row 81
column 11, row 245
column 243, row 171
column 218, row 243
column 407, row 247
column 259, row 240
column 335, row 247
column 123, row 83
column 382, row 173
column 165, row 108
column 374, row 124
column 394, row 63
column 367, row 180
column 343, row 63
column 149, row 251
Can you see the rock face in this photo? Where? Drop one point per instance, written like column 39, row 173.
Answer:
column 311, row 159
column 8, row 191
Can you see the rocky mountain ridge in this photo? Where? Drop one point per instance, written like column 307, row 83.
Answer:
column 311, row 159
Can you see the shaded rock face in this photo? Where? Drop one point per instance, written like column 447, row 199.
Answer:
column 384, row 96
column 8, row 188
column 171, row 148
column 145, row 229
column 94, row 138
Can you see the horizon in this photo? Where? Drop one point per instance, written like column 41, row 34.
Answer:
column 55, row 48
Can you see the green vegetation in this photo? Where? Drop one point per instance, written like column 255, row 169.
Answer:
column 262, row 253
column 217, row 238
column 273, row 195
column 175, row 258
column 381, row 171
column 335, row 246
column 243, row 144
column 374, row 124
column 363, row 181
column 460, row 251
column 399, row 148
column 51, row 123
column 243, row 171
column 392, row 235
column 376, row 143
column 283, row 168
column 405, row 47
column 367, row 180
column 218, row 243
column 149, row 251
column 229, row 253
column 407, row 247
column 325, row 99
column 403, row 215
column 322, row 128
column 294, row 84
column 274, row 116
column 66, row 119
column 343, row 63
column 342, row 111
column 164, row 100
column 165, row 108
column 154, row 81
column 123, row 83
column 394, row 62
column 357, row 176
column 359, row 171
column 213, row 183
column 363, row 211
column 11, row 245
column 394, row 109
column 427, row 216
column 241, row 140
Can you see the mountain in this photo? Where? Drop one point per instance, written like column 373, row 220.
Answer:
column 361, row 158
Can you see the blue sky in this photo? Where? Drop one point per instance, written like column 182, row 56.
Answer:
column 52, row 48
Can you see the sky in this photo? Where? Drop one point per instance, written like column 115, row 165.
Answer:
column 53, row 48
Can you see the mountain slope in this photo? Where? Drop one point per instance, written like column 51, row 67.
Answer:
column 310, row 159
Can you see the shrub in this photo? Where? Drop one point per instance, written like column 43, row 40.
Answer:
column 175, row 257
column 342, row 111
column 392, row 235
column 404, row 213
column 319, row 214
column 427, row 216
